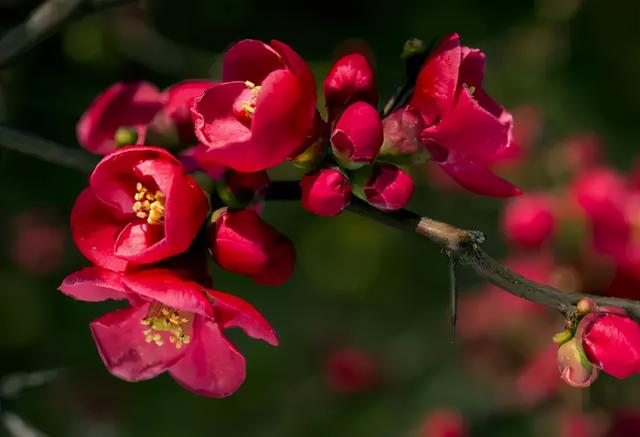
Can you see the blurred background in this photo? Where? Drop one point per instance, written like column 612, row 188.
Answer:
column 363, row 322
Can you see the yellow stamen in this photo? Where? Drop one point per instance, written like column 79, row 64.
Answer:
column 249, row 106
column 162, row 321
column 149, row 206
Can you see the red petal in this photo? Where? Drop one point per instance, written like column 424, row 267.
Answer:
column 251, row 60
column 470, row 129
column 211, row 366
column 477, row 178
column 94, row 284
column 166, row 287
column 438, row 79
column 121, row 343
column 231, row 311
column 95, row 228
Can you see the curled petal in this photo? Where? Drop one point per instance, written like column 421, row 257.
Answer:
column 94, row 284
column 211, row 366
column 476, row 177
column 121, row 343
column 231, row 311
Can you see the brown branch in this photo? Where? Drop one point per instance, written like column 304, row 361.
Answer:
column 44, row 21
column 462, row 246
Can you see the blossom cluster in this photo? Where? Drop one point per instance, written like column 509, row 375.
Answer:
column 148, row 227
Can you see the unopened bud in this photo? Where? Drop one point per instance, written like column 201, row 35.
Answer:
column 389, row 187
column 575, row 368
column 325, row 192
column 126, row 136
column 357, row 137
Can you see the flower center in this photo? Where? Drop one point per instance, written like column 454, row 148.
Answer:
column 245, row 106
column 149, row 206
column 163, row 321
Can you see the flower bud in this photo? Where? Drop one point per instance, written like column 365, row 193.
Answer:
column 350, row 370
column 243, row 243
column 611, row 341
column 402, row 133
column 575, row 369
column 528, row 221
column 325, row 192
column 349, row 80
column 389, row 187
column 357, row 137
column 239, row 190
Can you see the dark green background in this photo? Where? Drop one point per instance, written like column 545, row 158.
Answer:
column 356, row 282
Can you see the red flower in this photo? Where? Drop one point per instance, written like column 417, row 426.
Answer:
column 611, row 341
column 389, row 187
column 349, row 80
column 178, row 100
column 612, row 208
column 466, row 131
column 125, row 108
column 171, row 325
column 243, row 243
column 140, row 208
column 528, row 221
column 325, row 192
column 443, row 422
column 357, row 137
column 350, row 370
column 262, row 113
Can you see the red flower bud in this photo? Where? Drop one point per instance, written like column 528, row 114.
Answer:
column 243, row 243
column 575, row 368
column 349, row 80
column 611, row 342
column 126, row 109
column 350, row 370
column 357, row 137
column 528, row 221
column 389, row 187
column 402, row 132
column 325, row 192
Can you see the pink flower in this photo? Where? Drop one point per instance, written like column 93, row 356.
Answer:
column 443, row 422
column 466, row 131
column 611, row 341
column 612, row 209
column 126, row 109
column 350, row 370
column 243, row 243
column 140, row 208
column 178, row 100
column 528, row 221
column 538, row 380
column 325, row 192
column 349, row 80
column 172, row 324
column 263, row 111
column 389, row 187
column 357, row 137
column 39, row 241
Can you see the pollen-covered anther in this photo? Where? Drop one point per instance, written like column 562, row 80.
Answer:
column 165, row 322
column 149, row 206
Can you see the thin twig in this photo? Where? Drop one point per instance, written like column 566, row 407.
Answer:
column 463, row 245
column 46, row 150
column 44, row 21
